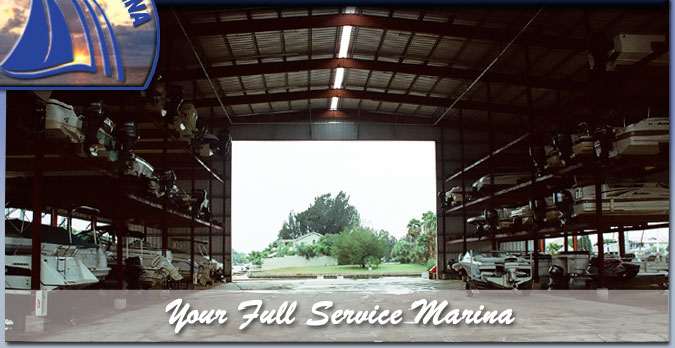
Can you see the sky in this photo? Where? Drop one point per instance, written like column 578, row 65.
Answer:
column 389, row 183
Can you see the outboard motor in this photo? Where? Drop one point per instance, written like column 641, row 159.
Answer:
column 208, row 145
column 604, row 142
column 557, row 278
column 538, row 207
column 200, row 206
column 167, row 181
column 126, row 136
column 94, row 117
column 134, row 271
column 564, row 201
column 445, row 200
column 537, row 154
column 492, row 218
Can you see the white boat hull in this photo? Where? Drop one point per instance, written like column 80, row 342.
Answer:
column 56, row 272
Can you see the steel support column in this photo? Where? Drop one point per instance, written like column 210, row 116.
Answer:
column 600, row 227
column 622, row 242
column 464, row 191
column 224, row 212
column 488, row 95
column 121, row 239
column 227, row 220
column 575, row 243
column 36, row 259
column 533, row 175
column 441, row 255
column 54, row 221
column 165, row 198
column 565, row 243
column 193, row 213
column 210, row 210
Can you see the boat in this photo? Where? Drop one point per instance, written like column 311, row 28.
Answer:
column 646, row 137
column 545, row 211
column 61, row 122
column 626, row 199
column 204, row 268
column 60, row 269
column 492, row 220
column 483, row 186
column 18, row 241
column 568, row 268
column 495, row 271
column 139, row 168
column 583, row 142
column 156, row 269
column 185, row 121
column 522, row 218
column 454, row 197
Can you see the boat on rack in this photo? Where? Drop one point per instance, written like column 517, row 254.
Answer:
column 55, row 241
column 648, row 137
column 621, row 199
column 483, row 186
column 497, row 270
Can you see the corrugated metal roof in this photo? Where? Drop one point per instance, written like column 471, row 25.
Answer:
column 463, row 56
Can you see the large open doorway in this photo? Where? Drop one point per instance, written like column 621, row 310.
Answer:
column 333, row 209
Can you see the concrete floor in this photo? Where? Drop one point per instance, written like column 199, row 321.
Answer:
column 386, row 285
column 540, row 317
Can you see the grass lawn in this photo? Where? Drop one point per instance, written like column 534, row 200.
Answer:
column 383, row 269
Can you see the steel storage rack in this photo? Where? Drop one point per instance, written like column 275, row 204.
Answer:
column 514, row 155
column 46, row 175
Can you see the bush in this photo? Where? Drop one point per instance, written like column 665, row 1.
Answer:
column 354, row 245
column 430, row 264
column 372, row 261
column 420, row 254
column 307, row 250
column 325, row 244
column 401, row 251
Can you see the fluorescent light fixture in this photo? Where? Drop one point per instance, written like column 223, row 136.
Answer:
column 350, row 10
column 344, row 41
column 339, row 76
column 334, row 103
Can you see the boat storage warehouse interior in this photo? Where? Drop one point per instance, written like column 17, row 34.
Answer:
column 550, row 129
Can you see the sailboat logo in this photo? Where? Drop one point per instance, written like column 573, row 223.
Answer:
column 46, row 46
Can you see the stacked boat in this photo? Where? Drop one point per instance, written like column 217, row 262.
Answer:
column 624, row 146
column 67, row 262
column 495, row 271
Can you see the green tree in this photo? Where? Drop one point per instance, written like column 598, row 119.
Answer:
column 256, row 257
column 391, row 241
column 357, row 243
column 286, row 250
column 239, row 258
column 307, row 250
column 429, row 223
column 325, row 244
column 326, row 215
column 584, row 244
column 553, row 248
column 292, row 228
column 414, row 228
column 420, row 250
column 401, row 252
